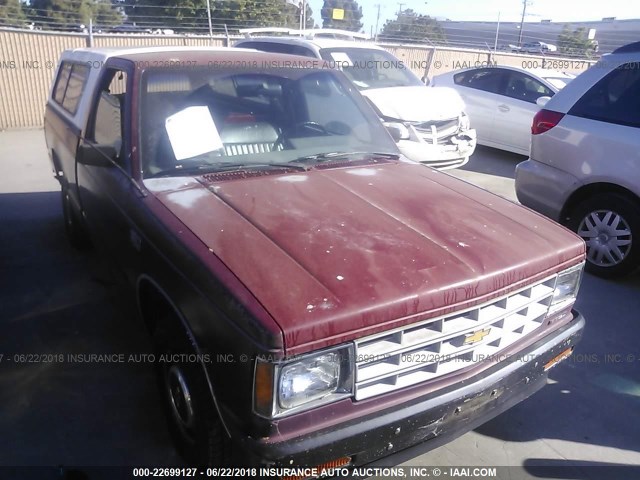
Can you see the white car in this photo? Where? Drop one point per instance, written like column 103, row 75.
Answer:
column 584, row 168
column 429, row 125
column 536, row 48
column 501, row 101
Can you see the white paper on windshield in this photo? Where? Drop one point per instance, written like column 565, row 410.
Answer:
column 192, row 132
column 342, row 58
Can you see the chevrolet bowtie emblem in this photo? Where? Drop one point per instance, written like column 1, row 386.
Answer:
column 476, row 336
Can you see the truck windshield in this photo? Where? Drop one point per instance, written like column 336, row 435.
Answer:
column 371, row 68
column 203, row 119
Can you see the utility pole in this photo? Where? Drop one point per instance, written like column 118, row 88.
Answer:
column 524, row 12
column 377, row 21
column 209, row 18
column 495, row 44
column 304, row 15
column 400, row 5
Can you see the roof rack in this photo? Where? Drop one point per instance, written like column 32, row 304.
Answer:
column 309, row 34
column 629, row 48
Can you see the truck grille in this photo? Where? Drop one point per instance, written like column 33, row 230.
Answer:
column 436, row 347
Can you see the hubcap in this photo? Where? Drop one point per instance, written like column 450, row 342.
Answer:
column 181, row 402
column 608, row 237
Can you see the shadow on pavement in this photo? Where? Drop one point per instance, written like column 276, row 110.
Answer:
column 58, row 405
column 549, row 468
column 492, row 161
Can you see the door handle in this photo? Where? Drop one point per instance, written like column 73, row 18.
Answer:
column 503, row 108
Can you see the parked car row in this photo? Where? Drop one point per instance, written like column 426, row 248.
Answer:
column 429, row 125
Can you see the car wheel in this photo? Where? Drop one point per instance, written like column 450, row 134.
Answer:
column 193, row 421
column 76, row 232
column 610, row 226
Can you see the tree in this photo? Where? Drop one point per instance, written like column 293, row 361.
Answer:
column 70, row 14
column 410, row 27
column 11, row 13
column 182, row 14
column 576, row 42
column 191, row 15
column 352, row 15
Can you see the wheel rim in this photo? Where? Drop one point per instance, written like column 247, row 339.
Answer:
column 180, row 399
column 608, row 237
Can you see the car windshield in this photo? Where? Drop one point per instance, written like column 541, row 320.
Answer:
column 370, row 68
column 558, row 82
column 205, row 120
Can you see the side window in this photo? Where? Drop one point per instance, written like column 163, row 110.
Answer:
column 108, row 123
column 61, row 82
column 303, row 51
column 614, row 99
column 69, row 85
column 486, row 79
column 525, row 88
column 460, row 78
column 75, row 87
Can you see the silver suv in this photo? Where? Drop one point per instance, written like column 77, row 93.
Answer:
column 584, row 166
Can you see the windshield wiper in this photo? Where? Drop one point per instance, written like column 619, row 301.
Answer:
column 224, row 167
column 327, row 157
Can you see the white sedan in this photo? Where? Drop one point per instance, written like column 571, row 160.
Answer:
column 501, row 101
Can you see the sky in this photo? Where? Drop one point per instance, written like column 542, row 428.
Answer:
column 488, row 10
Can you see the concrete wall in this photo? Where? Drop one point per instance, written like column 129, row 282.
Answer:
column 28, row 60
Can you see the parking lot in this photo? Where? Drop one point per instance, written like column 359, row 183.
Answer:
column 55, row 301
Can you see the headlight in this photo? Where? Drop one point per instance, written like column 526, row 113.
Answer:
column 465, row 124
column 567, row 286
column 304, row 383
column 398, row 130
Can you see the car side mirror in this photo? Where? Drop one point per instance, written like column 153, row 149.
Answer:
column 397, row 131
column 96, row 155
column 542, row 101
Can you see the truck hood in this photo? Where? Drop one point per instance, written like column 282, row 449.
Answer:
column 416, row 103
column 338, row 253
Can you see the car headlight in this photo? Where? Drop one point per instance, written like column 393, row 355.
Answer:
column 567, row 286
column 284, row 388
column 398, row 130
column 465, row 124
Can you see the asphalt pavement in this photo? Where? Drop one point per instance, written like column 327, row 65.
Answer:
column 56, row 302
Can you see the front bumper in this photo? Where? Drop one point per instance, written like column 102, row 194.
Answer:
column 429, row 421
column 453, row 154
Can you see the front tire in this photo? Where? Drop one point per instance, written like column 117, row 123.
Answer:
column 610, row 226
column 193, row 421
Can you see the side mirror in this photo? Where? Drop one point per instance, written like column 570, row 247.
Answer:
column 542, row 101
column 397, row 131
column 96, row 155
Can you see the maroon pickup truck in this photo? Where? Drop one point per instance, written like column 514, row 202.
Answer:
column 314, row 298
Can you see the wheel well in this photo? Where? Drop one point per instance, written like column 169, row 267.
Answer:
column 593, row 189
column 152, row 303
